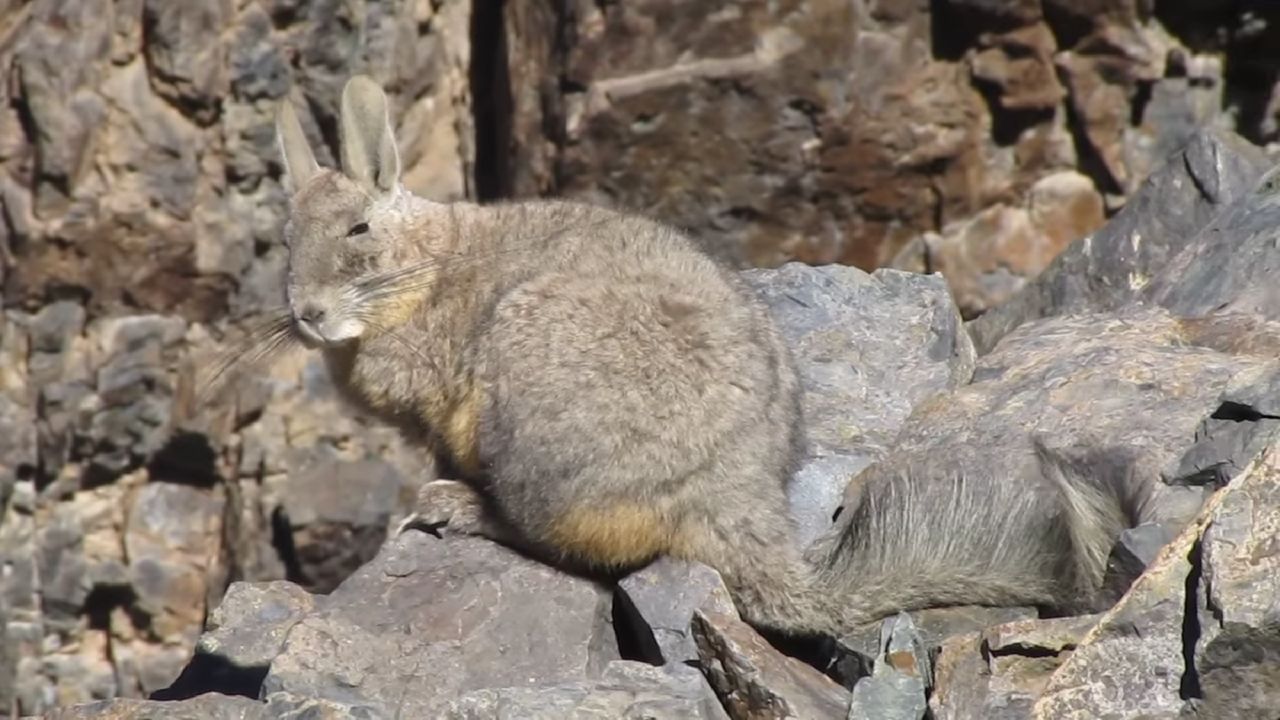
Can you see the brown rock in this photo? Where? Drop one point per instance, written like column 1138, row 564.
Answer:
column 988, row 258
column 997, row 674
column 753, row 680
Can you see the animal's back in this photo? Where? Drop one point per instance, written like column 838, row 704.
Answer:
column 635, row 389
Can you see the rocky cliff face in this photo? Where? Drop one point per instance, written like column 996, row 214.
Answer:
column 139, row 239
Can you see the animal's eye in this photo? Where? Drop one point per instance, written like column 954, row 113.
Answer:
column 358, row 229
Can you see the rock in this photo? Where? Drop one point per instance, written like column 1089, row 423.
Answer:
column 625, row 690
column 659, row 601
column 430, row 620
column 250, row 623
column 204, row 707
column 242, row 636
column 900, row 682
column 869, row 349
column 997, row 674
column 1227, row 266
column 53, row 328
column 149, row 137
column 1208, row 597
column 1114, row 265
column 1237, row 656
column 186, row 53
column 1234, row 434
column 751, row 678
column 990, row 256
column 935, row 626
column 337, row 512
column 1136, row 549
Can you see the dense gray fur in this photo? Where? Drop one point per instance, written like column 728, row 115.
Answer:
column 920, row 537
column 605, row 393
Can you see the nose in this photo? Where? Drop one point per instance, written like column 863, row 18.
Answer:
column 311, row 314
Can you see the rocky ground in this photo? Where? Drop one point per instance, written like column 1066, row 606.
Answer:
column 157, row 543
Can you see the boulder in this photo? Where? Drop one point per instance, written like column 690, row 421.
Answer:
column 869, row 348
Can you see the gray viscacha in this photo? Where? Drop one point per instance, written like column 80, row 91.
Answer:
column 600, row 393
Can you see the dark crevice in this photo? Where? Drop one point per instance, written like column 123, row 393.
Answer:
column 635, row 637
column 1008, row 125
column 1239, row 412
column 952, row 31
column 1138, row 105
column 1030, row 651
column 213, row 673
column 282, row 541
column 188, row 459
column 1189, row 686
column 492, row 103
column 103, row 600
column 1068, row 29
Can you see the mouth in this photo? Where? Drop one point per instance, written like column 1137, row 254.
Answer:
column 321, row 336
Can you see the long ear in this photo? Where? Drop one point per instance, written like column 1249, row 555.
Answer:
column 299, row 162
column 369, row 153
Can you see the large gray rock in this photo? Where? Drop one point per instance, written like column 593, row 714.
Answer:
column 1230, row 265
column 660, row 600
column 429, row 620
column 631, row 690
column 1116, row 264
column 870, row 348
column 1237, row 656
column 205, row 707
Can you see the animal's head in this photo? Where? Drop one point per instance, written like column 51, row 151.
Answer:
column 345, row 229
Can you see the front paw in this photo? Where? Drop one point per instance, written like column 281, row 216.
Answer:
column 447, row 507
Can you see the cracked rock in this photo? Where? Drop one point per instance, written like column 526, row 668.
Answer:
column 753, row 680
column 429, row 620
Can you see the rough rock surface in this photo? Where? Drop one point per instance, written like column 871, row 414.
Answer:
column 901, row 678
column 206, row 707
column 997, row 673
column 1115, row 265
column 410, row 635
column 428, row 603
column 869, row 348
column 751, row 677
column 1198, row 632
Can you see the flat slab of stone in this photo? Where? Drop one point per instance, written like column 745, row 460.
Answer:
column 430, row 620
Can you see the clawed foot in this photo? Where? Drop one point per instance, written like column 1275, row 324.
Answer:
column 448, row 507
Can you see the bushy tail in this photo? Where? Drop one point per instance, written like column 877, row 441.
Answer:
column 918, row 540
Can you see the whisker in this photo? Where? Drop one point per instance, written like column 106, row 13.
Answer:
column 262, row 340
